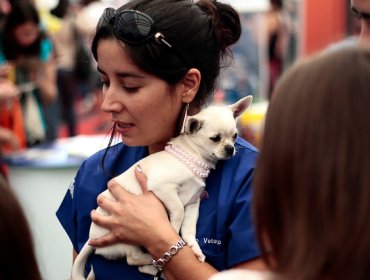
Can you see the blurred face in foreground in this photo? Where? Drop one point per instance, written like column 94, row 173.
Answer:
column 361, row 8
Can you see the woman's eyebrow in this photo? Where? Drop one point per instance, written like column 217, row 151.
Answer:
column 129, row 74
column 123, row 74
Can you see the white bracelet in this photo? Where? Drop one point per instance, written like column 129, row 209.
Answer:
column 161, row 262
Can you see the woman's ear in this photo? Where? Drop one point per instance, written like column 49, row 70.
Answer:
column 190, row 85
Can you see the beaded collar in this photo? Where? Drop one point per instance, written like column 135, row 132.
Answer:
column 198, row 167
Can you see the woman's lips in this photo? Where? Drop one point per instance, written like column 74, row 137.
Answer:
column 123, row 128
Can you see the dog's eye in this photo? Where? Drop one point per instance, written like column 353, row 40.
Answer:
column 235, row 135
column 216, row 138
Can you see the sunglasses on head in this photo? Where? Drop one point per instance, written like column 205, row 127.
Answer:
column 134, row 28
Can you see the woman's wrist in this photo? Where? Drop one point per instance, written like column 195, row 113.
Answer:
column 160, row 263
column 158, row 245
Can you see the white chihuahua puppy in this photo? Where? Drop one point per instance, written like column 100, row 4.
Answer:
column 176, row 176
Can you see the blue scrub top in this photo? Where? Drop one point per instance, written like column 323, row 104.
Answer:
column 224, row 230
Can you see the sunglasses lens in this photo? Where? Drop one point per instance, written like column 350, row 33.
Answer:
column 133, row 27
column 107, row 15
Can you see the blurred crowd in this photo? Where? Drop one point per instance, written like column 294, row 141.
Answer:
column 48, row 77
column 45, row 68
column 311, row 180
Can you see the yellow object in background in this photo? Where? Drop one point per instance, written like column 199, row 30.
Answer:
column 51, row 23
column 252, row 121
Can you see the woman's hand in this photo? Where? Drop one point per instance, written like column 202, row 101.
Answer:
column 45, row 75
column 8, row 91
column 133, row 219
column 8, row 138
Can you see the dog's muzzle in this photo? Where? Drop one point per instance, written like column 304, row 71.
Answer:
column 229, row 150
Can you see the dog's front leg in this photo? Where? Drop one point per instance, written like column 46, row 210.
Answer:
column 189, row 227
column 169, row 197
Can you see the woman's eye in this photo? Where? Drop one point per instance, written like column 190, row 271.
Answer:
column 216, row 138
column 131, row 89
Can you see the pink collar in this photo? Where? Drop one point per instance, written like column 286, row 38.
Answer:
column 198, row 167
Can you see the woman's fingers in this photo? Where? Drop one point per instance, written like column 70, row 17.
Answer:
column 108, row 204
column 103, row 241
column 101, row 220
column 117, row 190
column 141, row 178
column 126, row 215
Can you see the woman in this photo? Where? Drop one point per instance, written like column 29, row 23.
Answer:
column 25, row 46
column 154, row 58
column 312, row 198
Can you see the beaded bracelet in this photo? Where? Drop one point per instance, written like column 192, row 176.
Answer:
column 161, row 262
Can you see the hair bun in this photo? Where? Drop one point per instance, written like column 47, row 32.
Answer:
column 225, row 21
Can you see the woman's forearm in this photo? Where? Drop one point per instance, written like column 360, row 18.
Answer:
column 185, row 266
column 46, row 81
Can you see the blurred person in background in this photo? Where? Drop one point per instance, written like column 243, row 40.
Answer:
column 361, row 9
column 65, row 39
column 360, row 33
column 17, row 254
column 5, row 7
column 86, row 19
column 311, row 187
column 29, row 52
column 12, row 134
column 277, row 39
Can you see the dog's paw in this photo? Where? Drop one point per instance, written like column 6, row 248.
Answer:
column 148, row 269
column 198, row 252
column 193, row 244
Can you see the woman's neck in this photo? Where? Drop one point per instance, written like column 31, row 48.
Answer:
column 156, row 148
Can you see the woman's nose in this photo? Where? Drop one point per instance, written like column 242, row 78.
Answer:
column 111, row 102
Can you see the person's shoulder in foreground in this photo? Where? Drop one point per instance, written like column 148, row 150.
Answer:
column 242, row 274
column 299, row 241
column 18, row 256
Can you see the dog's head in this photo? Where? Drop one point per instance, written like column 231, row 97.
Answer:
column 214, row 129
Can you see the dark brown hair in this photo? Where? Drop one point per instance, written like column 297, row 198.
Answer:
column 312, row 181
column 22, row 12
column 17, row 256
column 201, row 31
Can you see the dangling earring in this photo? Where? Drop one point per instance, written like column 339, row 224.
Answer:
column 184, row 120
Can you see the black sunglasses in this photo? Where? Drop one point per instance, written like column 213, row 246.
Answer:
column 134, row 28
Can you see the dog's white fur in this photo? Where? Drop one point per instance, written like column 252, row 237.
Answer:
column 209, row 136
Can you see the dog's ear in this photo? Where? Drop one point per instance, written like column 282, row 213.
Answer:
column 240, row 106
column 193, row 125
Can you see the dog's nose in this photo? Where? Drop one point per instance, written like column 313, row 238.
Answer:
column 229, row 150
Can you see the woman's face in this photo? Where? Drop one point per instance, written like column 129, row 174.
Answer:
column 144, row 107
column 27, row 33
